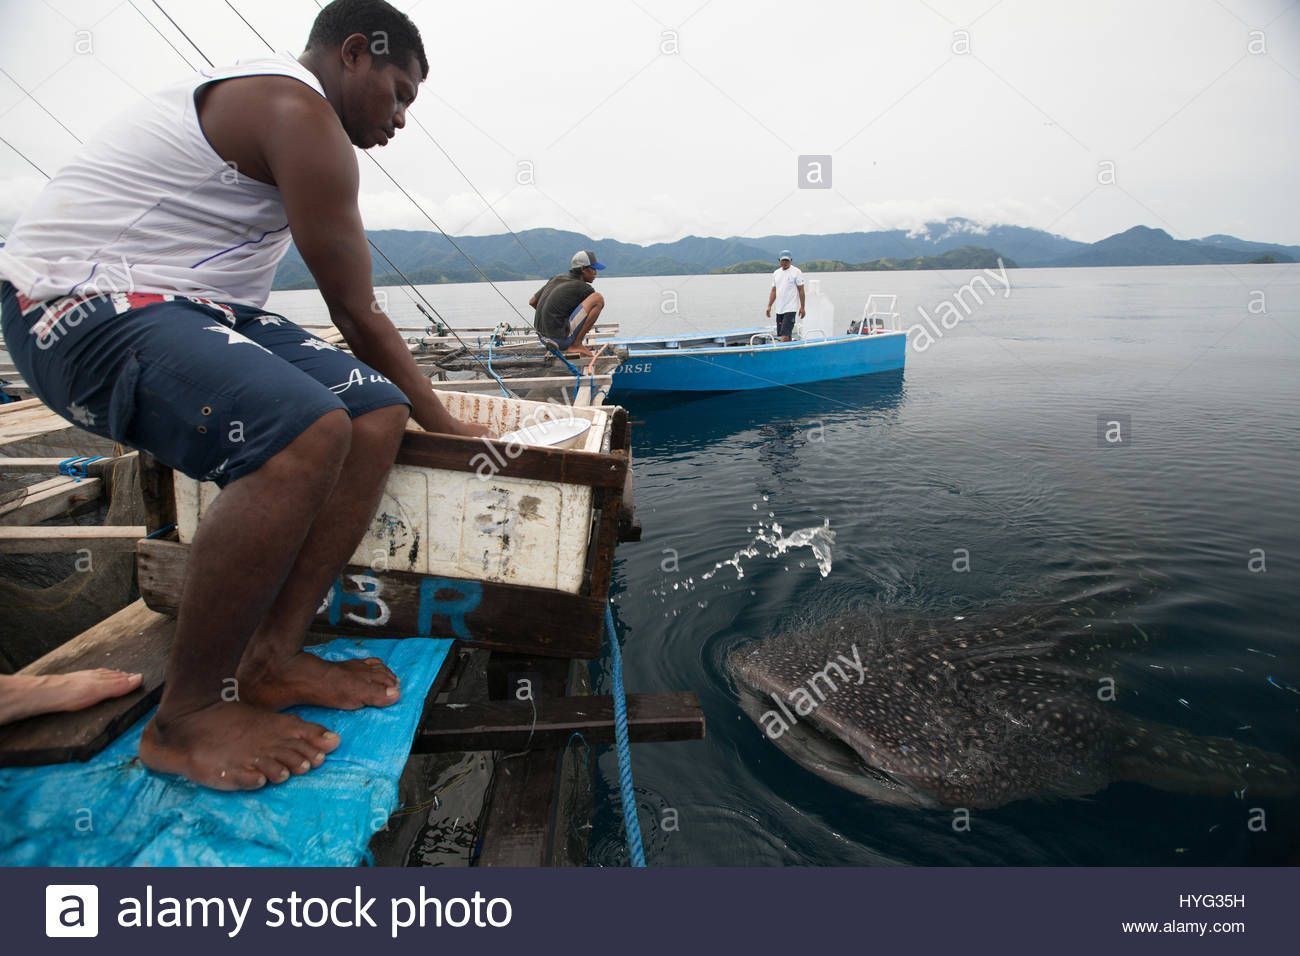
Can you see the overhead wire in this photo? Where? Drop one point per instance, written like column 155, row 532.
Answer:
column 165, row 38
column 29, row 96
column 182, row 32
column 24, row 157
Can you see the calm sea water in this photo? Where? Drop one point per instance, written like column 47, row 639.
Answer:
column 987, row 444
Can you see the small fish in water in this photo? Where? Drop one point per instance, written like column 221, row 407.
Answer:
column 918, row 713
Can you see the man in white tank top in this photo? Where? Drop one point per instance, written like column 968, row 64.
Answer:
column 132, row 305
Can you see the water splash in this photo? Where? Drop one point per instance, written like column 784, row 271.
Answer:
column 773, row 538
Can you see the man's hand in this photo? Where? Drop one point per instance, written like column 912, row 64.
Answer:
column 454, row 426
column 802, row 313
column 769, row 311
column 473, row 430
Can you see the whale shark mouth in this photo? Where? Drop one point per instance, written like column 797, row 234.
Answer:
column 830, row 758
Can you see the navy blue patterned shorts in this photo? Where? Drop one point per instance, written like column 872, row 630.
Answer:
column 210, row 389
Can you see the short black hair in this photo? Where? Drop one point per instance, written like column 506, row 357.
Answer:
column 380, row 21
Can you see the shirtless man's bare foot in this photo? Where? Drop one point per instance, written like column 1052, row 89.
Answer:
column 234, row 746
column 306, row 679
column 26, row 695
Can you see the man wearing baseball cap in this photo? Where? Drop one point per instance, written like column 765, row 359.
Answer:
column 786, row 294
column 567, row 306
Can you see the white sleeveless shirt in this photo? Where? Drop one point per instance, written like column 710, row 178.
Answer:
column 148, row 206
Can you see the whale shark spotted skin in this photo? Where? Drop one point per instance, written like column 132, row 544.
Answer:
column 967, row 714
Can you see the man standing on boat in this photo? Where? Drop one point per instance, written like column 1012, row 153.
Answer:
column 568, row 306
column 786, row 294
column 133, row 305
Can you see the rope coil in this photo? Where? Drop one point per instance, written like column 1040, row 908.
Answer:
column 77, row 467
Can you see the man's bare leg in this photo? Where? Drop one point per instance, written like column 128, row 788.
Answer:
column 593, row 305
column 242, row 553
column 275, row 671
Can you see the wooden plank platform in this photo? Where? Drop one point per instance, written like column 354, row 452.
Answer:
column 28, row 419
column 134, row 639
column 549, row 722
column 49, row 539
column 30, row 428
column 400, row 604
column 46, row 499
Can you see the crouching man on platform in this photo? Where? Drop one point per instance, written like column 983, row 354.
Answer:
column 568, row 306
column 189, row 200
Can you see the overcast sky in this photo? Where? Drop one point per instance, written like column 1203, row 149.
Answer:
column 649, row 120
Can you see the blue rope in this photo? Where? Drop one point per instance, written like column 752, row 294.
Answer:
column 161, row 531
column 77, row 467
column 626, row 791
column 504, row 391
column 577, row 372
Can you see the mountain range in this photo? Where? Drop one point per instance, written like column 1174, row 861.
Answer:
column 429, row 257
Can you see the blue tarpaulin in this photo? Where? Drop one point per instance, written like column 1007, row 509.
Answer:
column 111, row 811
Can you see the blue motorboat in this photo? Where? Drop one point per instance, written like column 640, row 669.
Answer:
column 742, row 359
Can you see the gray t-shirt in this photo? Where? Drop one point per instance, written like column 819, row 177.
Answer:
column 556, row 301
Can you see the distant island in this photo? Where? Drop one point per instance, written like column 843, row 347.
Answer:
column 967, row 257
column 963, row 244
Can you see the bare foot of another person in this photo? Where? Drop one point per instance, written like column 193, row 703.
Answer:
column 306, row 679
column 580, row 350
column 26, row 695
column 234, row 746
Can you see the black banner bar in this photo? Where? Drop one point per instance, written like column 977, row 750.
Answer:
column 915, row 911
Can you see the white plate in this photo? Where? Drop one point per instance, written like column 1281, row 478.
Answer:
column 550, row 434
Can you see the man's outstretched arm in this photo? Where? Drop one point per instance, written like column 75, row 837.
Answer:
column 315, row 168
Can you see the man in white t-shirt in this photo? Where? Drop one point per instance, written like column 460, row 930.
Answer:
column 786, row 296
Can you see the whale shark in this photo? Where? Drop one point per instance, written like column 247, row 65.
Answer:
column 978, row 714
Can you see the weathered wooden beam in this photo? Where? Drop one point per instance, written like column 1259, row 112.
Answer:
column 457, row 453
column 47, row 539
column 136, row 640
column 397, row 604
column 518, row 827
column 559, row 382
column 550, row 722
column 38, row 465
column 620, row 440
column 159, row 493
column 608, row 501
column 515, row 336
column 11, row 410
column 470, row 363
column 620, row 430
column 46, row 499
